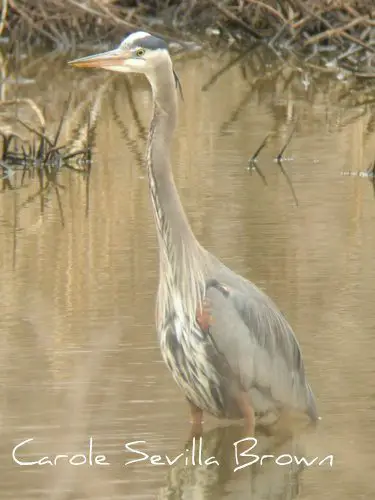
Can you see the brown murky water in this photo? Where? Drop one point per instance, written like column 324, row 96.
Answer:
column 78, row 351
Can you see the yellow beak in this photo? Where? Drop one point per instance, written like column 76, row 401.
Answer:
column 103, row 60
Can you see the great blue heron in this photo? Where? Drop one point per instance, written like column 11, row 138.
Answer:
column 227, row 345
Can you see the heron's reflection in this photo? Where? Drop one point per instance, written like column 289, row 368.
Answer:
column 235, row 476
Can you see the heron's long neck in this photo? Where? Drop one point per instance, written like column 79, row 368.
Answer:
column 180, row 253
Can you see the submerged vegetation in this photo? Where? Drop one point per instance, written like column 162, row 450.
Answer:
column 40, row 155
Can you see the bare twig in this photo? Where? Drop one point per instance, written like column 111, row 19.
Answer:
column 254, row 158
column 229, row 15
column 279, row 157
column 41, row 135
column 334, row 31
column 4, row 11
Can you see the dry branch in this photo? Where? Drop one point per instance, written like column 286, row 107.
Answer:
column 335, row 31
column 301, row 28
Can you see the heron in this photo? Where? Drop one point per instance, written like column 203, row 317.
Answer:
column 227, row 345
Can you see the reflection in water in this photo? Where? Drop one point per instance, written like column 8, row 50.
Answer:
column 78, row 351
column 263, row 479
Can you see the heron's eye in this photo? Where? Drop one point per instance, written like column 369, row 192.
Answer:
column 140, row 52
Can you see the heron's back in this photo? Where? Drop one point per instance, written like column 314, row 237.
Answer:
column 259, row 345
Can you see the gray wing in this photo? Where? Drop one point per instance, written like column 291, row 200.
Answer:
column 259, row 346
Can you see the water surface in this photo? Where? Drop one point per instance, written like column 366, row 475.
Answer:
column 78, row 349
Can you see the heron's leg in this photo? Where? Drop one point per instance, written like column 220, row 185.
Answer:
column 196, row 414
column 196, row 419
column 247, row 411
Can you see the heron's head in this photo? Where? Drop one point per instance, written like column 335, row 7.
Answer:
column 140, row 52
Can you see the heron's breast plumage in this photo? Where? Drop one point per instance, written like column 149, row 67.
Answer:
column 185, row 356
column 187, row 351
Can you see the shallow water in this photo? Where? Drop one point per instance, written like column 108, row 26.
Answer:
column 78, row 351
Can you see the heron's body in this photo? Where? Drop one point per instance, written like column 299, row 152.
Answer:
column 226, row 344
column 264, row 363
